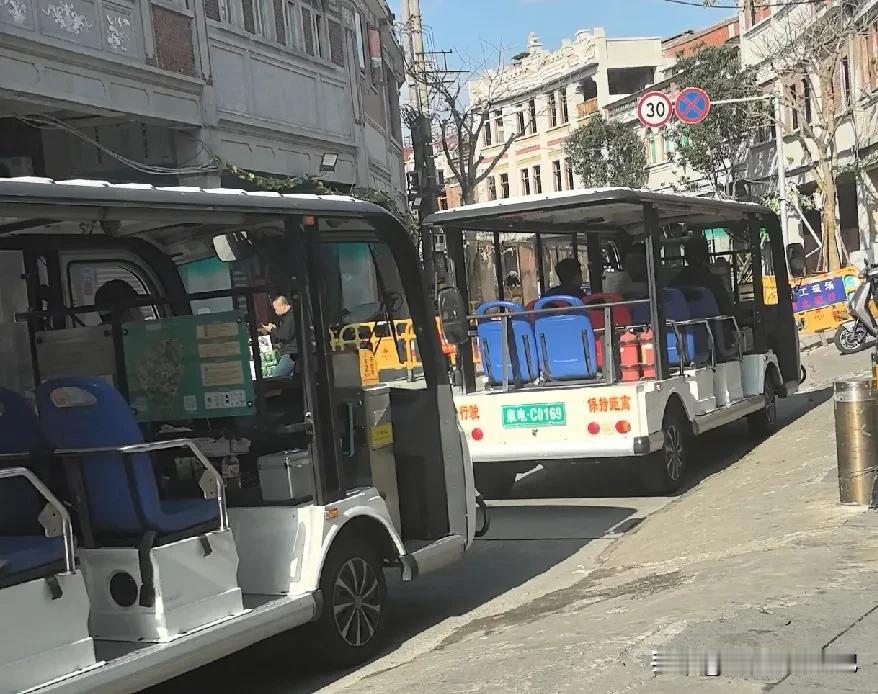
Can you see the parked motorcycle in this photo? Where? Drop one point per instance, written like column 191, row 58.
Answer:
column 861, row 332
column 852, row 337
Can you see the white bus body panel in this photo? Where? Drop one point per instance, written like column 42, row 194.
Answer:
column 43, row 639
column 192, row 588
column 288, row 546
column 160, row 662
column 709, row 396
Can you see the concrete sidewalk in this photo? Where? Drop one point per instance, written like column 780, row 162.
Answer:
column 760, row 555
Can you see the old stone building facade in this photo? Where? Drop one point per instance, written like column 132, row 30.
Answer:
column 282, row 87
column 546, row 95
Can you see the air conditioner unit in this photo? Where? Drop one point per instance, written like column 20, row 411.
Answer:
column 17, row 166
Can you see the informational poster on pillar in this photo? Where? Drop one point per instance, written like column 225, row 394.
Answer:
column 189, row 367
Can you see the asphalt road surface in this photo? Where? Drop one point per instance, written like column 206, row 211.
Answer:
column 557, row 522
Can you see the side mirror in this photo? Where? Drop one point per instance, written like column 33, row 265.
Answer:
column 796, row 259
column 233, row 246
column 452, row 316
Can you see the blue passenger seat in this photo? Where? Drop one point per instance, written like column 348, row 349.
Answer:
column 702, row 305
column 123, row 495
column 566, row 340
column 523, row 363
column 24, row 547
column 676, row 309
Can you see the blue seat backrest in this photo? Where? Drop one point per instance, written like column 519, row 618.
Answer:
column 676, row 309
column 89, row 413
column 566, row 340
column 702, row 304
column 522, row 350
column 20, row 503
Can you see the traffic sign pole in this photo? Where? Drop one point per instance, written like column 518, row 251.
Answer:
column 783, row 206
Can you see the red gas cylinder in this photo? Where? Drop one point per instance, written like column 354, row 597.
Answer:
column 629, row 356
column 647, row 353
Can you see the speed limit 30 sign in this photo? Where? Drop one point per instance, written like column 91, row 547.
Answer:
column 654, row 109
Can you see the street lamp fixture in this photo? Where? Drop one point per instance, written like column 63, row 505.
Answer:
column 328, row 162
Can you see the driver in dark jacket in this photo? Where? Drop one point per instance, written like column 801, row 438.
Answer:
column 283, row 335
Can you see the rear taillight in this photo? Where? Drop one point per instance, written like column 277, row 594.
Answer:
column 594, row 428
column 623, row 427
column 477, row 434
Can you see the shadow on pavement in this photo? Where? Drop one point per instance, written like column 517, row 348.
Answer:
column 524, row 542
column 713, row 452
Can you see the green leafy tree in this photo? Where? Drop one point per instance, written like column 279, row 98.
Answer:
column 716, row 147
column 607, row 154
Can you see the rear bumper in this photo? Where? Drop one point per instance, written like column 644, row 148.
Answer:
column 566, row 450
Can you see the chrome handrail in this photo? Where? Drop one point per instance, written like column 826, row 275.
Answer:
column 160, row 446
column 52, row 500
column 560, row 309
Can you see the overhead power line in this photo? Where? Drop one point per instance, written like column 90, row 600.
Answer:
column 43, row 121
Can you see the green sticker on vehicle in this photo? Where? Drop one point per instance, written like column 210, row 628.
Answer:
column 549, row 414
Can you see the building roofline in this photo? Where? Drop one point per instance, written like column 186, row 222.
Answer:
column 692, row 34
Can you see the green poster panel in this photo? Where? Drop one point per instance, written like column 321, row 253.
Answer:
column 189, row 367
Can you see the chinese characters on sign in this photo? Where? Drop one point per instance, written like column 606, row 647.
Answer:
column 368, row 368
column 534, row 415
column 468, row 412
column 819, row 294
column 615, row 404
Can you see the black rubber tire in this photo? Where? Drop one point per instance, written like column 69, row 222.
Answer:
column 763, row 423
column 352, row 567
column 664, row 471
column 495, row 480
column 845, row 346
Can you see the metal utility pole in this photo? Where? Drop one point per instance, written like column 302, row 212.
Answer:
column 781, row 168
column 420, row 126
column 779, row 146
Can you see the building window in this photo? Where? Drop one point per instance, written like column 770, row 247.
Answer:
column 504, row 185
column 254, row 22
column 847, row 91
column 308, row 31
column 492, row 188
column 525, row 182
column 519, row 115
column 806, row 100
column 571, row 183
column 486, row 135
column 794, row 112
column 337, row 56
column 359, row 35
column 538, row 183
column 532, row 115
column 557, row 181
column 499, row 135
column 868, row 54
column 553, row 110
column 293, row 30
column 654, row 149
column 440, row 175
column 565, row 113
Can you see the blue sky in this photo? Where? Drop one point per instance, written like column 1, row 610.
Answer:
column 463, row 25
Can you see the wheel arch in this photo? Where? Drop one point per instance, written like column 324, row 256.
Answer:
column 772, row 373
column 676, row 400
column 370, row 529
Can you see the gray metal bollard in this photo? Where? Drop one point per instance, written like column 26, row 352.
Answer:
column 856, row 439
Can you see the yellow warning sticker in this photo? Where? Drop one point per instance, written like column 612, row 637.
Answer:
column 382, row 436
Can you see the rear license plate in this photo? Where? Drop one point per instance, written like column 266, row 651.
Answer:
column 552, row 414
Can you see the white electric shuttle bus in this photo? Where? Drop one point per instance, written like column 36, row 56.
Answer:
column 166, row 498
column 547, row 389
